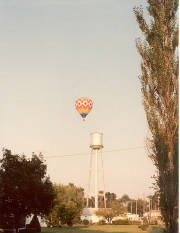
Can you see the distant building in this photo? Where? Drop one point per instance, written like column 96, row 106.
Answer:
column 90, row 215
column 133, row 217
column 153, row 215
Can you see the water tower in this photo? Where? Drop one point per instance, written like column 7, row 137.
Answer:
column 96, row 167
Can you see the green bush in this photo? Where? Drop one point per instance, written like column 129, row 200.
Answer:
column 85, row 222
column 120, row 222
column 155, row 229
column 76, row 220
column 102, row 222
column 145, row 220
column 144, row 227
column 135, row 222
column 92, row 223
column 153, row 222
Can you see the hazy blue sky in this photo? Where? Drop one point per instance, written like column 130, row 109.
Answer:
column 54, row 51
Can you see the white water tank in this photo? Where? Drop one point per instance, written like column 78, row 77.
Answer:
column 96, row 140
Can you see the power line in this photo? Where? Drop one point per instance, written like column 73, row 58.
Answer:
column 87, row 153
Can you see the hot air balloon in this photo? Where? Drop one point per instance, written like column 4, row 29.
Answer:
column 83, row 106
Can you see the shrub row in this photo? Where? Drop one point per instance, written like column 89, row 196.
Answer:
column 118, row 222
column 121, row 222
column 85, row 222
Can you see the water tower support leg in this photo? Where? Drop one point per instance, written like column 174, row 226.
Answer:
column 96, row 179
column 89, row 179
column 103, row 179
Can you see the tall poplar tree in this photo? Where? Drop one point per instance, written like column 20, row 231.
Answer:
column 159, row 85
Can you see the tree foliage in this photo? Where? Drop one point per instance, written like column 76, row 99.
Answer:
column 125, row 199
column 110, row 197
column 24, row 187
column 109, row 213
column 118, row 207
column 159, row 82
column 68, row 205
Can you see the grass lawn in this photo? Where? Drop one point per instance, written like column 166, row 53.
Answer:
column 95, row 229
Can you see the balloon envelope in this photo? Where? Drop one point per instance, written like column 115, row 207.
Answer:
column 83, row 106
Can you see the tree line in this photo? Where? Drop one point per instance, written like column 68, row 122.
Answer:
column 25, row 189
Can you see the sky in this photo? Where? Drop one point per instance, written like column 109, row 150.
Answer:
column 55, row 51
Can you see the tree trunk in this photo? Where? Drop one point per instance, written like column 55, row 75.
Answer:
column 171, row 153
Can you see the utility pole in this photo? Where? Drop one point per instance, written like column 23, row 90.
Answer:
column 96, row 179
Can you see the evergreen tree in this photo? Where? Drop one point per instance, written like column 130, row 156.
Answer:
column 159, row 82
column 34, row 224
